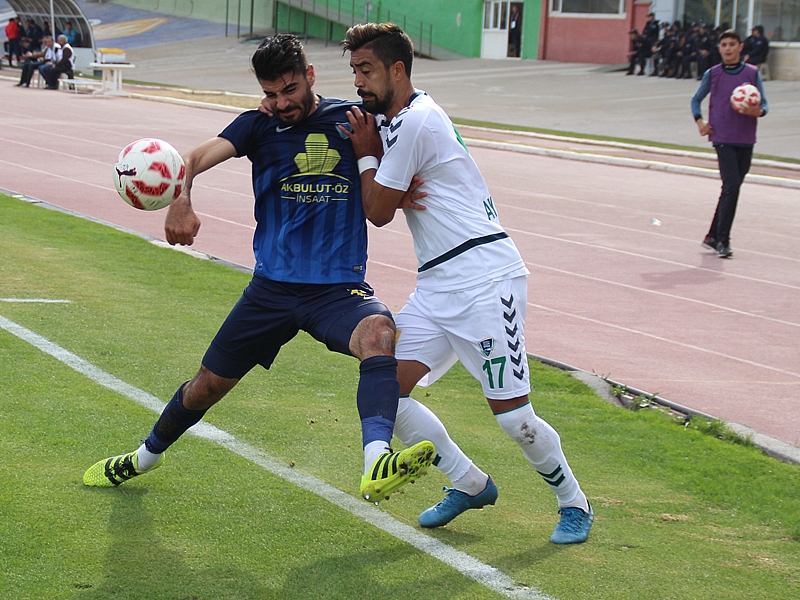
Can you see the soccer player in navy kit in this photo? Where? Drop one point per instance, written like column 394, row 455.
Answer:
column 471, row 293
column 310, row 248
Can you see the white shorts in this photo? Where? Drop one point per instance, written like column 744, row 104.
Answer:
column 483, row 327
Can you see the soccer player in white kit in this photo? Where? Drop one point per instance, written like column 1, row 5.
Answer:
column 470, row 299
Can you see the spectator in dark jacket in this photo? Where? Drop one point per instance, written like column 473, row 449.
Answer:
column 756, row 47
column 637, row 54
column 713, row 43
column 658, row 49
column 651, row 28
column 702, row 50
column 32, row 40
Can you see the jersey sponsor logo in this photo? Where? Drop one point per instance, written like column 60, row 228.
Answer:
column 316, row 182
column 319, row 157
column 486, row 346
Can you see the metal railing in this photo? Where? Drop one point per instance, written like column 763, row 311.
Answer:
column 342, row 12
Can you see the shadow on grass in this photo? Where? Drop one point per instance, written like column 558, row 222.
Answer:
column 139, row 565
column 354, row 576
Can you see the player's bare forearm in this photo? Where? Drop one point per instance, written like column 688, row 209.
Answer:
column 207, row 155
column 182, row 224
column 380, row 203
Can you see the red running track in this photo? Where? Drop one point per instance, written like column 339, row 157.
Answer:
column 611, row 290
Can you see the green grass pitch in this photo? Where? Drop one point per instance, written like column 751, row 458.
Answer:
column 679, row 514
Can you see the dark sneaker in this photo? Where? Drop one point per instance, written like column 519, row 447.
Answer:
column 573, row 527
column 724, row 251
column 456, row 503
column 710, row 243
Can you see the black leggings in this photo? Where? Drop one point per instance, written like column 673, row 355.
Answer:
column 734, row 163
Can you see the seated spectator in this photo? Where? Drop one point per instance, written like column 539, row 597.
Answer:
column 64, row 63
column 657, row 49
column 691, row 51
column 33, row 60
column 32, row 38
column 637, row 53
column 756, row 47
column 73, row 39
column 702, row 47
column 675, row 57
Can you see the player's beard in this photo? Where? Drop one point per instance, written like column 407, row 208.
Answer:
column 298, row 112
column 375, row 104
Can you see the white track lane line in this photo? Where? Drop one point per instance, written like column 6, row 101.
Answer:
column 663, row 339
column 652, row 258
column 637, row 288
column 465, row 564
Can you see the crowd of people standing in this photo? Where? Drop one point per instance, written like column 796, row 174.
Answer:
column 675, row 48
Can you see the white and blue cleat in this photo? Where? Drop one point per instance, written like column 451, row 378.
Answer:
column 574, row 526
column 455, row 503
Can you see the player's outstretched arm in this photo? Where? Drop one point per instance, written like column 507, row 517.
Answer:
column 182, row 224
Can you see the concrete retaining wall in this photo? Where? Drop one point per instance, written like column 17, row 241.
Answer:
column 784, row 61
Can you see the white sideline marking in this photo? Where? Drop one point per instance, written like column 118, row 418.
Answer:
column 39, row 300
column 465, row 564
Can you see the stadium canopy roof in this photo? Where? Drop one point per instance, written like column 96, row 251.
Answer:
column 63, row 11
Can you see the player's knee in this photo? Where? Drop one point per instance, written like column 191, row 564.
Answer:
column 374, row 336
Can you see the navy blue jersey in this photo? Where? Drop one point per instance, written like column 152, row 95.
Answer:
column 311, row 226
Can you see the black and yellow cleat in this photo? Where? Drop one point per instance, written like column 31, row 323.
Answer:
column 115, row 470
column 392, row 470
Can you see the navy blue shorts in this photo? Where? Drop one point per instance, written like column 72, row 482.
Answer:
column 270, row 313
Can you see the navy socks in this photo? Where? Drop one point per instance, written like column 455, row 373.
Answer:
column 377, row 398
column 173, row 422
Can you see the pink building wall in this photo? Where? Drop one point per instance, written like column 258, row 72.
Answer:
column 590, row 40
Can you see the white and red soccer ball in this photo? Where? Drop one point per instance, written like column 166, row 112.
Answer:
column 149, row 174
column 745, row 96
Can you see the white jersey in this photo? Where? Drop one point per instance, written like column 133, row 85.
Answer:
column 458, row 239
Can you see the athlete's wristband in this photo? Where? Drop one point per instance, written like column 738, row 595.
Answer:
column 367, row 162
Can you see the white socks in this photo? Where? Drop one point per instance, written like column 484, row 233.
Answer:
column 415, row 422
column 541, row 445
column 145, row 459
column 372, row 451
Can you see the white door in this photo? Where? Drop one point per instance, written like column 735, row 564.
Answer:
column 494, row 43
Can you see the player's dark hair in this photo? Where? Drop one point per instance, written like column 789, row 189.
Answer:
column 389, row 43
column 278, row 55
column 730, row 33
